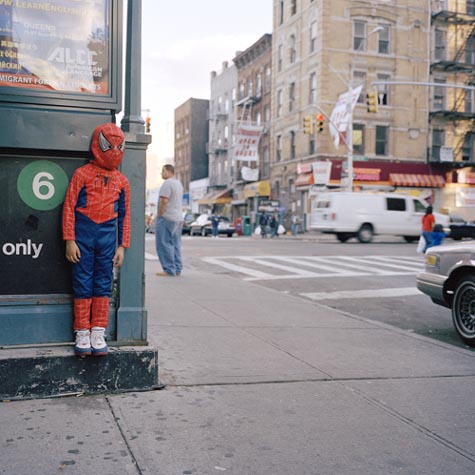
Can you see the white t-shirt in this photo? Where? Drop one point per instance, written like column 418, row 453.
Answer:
column 173, row 190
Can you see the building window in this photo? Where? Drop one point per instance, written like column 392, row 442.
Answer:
column 281, row 12
column 292, row 144
column 359, row 35
column 242, row 88
column 291, row 96
column 280, row 57
column 439, row 95
column 358, row 139
column 291, row 186
column 293, row 51
column 382, row 140
column 280, row 99
column 311, row 144
column 276, row 190
column 267, row 114
column 265, row 162
column 268, row 79
column 293, row 7
column 470, row 50
column 259, row 85
column 467, row 148
column 258, row 118
column 383, row 40
column 313, row 88
column 383, row 90
column 278, row 148
column 249, row 87
column 469, row 102
column 440, row 42
column 359, row 79
column 470, row 7
column 438, row 140
column 313, row 37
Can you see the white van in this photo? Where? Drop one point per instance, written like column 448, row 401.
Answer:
column 363, row 215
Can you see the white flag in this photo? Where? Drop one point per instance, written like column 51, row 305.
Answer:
column 340, row 116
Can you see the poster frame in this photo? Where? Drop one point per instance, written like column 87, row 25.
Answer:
column 111, row 101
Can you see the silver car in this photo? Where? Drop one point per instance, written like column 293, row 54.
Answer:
column 449, row 280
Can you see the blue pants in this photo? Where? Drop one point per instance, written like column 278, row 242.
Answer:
column 168, row 245
column 92, row 275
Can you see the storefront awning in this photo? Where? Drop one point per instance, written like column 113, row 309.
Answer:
column 421, row 181
column 258, row 188
column 221, row 197
column 305, row 179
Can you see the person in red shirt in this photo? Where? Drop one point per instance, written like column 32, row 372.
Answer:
column 96, row 228
column 428, row 221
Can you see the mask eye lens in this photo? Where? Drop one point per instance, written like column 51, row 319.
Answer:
column 121, row 146
column 104, row 143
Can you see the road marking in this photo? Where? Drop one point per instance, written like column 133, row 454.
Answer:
column 331, row 266
column 363, row 294
column 234, row 267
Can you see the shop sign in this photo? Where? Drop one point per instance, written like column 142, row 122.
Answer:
column 61, row 46
column 321, row 172
column 367, row 174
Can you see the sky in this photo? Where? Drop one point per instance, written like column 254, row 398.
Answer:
column 182, row 42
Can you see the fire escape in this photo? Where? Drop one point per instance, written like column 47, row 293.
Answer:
column 452, row 111
column 218, row 147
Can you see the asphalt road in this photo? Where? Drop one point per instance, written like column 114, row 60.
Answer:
column 375, row 281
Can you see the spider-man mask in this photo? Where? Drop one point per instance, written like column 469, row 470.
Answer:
column 107, row 146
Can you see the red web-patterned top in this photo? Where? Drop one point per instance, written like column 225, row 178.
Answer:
column 101, row 195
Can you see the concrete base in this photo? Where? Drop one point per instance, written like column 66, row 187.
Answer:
column 55, row 371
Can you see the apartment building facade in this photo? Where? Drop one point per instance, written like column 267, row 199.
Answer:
column 322, row 50
column 253, row 107
column 452, row 109
column 191, row 137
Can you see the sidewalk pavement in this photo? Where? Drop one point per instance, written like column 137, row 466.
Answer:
column 260, row 383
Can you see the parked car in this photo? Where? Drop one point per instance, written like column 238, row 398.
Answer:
column 459, row 228
column 203, row 226
column 364, row 215
column 449, row 280
column 188, row 218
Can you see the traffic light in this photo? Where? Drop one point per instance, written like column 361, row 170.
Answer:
column 147, row 125
column 307, row 125
column 320, row 122
column 372, row 101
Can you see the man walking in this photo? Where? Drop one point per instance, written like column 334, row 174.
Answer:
column 169, row 223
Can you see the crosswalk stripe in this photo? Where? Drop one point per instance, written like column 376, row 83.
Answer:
column 356, row 264
column 150, row 257
column 363, row 294
column 241, row 269
column 317, row 265
column 331, row 266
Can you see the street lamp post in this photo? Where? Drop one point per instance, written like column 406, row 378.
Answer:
column 349, row 109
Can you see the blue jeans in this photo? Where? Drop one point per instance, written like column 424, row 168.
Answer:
column 168, row 245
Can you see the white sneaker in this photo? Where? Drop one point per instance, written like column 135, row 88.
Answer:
column 98, row 343
column 83, row 343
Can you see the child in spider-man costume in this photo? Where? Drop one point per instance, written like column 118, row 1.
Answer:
column 96, row 228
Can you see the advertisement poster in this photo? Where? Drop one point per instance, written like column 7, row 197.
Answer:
column 247, row 143
column 58, row 46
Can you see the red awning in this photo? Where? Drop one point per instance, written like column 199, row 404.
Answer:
column 305, row 179
column 416, row 180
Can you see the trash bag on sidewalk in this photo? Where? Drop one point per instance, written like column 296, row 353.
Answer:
column 257, row 231
column 421, row 245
